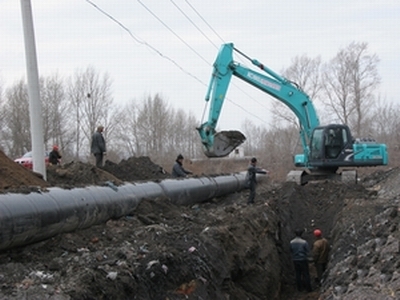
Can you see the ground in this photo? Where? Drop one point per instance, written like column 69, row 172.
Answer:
column 220, row 249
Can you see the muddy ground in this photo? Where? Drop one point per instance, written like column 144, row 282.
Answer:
column 220, row 249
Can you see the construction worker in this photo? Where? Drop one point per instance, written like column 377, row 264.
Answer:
column 98, row 146
column 178, row 170
column 251, row 180
column 54, row 156
column 300, row 249
column 320, row 253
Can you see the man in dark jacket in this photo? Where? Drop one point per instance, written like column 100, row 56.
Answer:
column 98, row 147
column 178, row 170
column 300, row 250
column 251, row 180
column 54, row 156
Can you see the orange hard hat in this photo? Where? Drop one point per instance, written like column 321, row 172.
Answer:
column 317, row 233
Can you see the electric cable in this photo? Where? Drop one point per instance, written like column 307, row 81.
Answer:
column 142, row 42
column 190, row 20
column 173, row 32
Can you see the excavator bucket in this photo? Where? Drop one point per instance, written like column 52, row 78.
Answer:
column 224, row 143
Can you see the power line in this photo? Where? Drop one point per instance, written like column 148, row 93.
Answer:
column 216, row 33
column 145, row 43
column 116, row 21
column 201, row 17
column 173, row 32
column 190, row 47
column 142, row 42
column 187, row 17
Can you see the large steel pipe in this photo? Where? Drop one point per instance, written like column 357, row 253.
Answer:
column 28, row 218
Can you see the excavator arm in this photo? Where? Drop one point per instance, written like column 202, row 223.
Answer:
column 326, row 148
column 222, row 143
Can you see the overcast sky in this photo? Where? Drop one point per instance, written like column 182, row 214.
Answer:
column 173, row 43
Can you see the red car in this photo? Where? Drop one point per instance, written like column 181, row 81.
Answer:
column 26, row 160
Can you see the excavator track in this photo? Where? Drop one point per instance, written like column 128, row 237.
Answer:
column 349, row 176
column 302, row 177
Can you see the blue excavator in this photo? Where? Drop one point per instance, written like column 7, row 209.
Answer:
column 328, row 151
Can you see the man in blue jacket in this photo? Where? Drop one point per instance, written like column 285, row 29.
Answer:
column 300, row 250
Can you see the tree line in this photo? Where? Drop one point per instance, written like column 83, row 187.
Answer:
column 344, row 90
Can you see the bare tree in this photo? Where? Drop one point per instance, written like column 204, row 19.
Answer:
column 93, row 105
column 304, row 72
column 56, row 120
column 16, row 131
column 128, row 135
column 154, row 121
column 349, row 82
column 254, row 138
column 386, row 128
column 183, row 137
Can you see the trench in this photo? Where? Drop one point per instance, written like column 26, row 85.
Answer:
column 240, row 251
column 308, row 208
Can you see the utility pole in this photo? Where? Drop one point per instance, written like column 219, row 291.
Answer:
column 35, row 105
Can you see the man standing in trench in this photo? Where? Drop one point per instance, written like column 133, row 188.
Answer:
column 98, row 147
column 320, row 254
column 300, row 250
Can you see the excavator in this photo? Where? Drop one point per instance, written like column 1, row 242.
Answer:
column 328, row 151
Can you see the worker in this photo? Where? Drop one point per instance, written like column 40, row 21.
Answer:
column 54, row 156
column 299, row 250
column 98, row 147
column 251, row 180
column 178, row 170
column 320, row 253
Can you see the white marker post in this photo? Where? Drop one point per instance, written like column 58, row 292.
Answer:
column 35, row 106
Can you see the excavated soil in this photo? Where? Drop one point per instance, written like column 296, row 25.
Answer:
column 220, row 249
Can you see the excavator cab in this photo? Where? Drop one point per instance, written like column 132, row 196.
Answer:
column 328, row 145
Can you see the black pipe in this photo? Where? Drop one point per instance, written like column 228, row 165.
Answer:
column 29, row 218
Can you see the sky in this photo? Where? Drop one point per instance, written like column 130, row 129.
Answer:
column 168, row 46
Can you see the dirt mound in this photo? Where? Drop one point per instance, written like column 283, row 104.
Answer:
column 78, row 174
column 17, row 179
column 14, row 176
column 384, row 182
column 136, row 168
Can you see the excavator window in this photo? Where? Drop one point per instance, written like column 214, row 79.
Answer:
column 316, row 144
column 334, row 142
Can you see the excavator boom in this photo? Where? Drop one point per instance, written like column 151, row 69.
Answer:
column 325, row 148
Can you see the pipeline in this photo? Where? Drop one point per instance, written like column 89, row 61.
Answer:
column 29, row 218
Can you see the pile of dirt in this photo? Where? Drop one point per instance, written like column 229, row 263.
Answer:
column 78, row 174
column 136, row 169
column 13, row 176
column 17, row 179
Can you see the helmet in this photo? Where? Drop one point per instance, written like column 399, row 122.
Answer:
column 55, row 147
column 253, row 160
column 179, row 157
column 317, row 233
